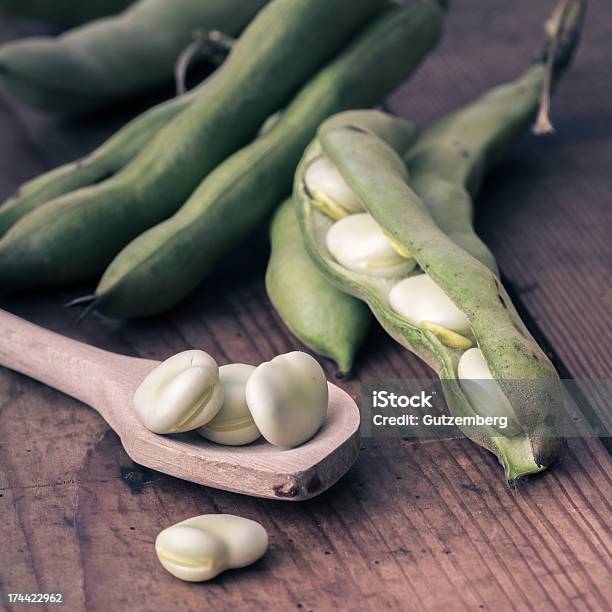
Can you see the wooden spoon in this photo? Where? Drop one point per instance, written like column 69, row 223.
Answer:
column 107, row 382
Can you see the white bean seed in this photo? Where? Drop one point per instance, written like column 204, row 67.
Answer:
column 419, row 299
column 358, row 243
column 234, row 424
column 288, row 397
column 181, row 394
column 202, row 547
column 483, row 391
column 323, row 180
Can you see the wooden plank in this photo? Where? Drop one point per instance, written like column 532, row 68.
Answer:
column 425, row 525
column 433, row 515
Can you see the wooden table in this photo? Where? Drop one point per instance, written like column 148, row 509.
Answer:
column 413, row 526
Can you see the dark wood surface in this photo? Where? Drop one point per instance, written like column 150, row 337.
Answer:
column 413, row 526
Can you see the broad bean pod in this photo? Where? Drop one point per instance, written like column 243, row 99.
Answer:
column 166, row 263
column 64, row 12
column 414, row 203
column 330, row 322
column 105, row 161
column 100, row 164
column 109, row 59
column 75, row 237
column 378, row 177
column 327, row 320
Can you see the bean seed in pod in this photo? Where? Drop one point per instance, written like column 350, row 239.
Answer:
column 484, row 392
column 358, row 243
column 419, row 299
column 327, row 185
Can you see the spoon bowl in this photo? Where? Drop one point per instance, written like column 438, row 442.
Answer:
column 107, row 382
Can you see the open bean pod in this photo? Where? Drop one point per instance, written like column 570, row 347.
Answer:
column 426, row 213
column 422, row 209
column 378, row 177
column 329, row 321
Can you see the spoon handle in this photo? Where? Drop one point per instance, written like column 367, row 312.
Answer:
column 96, row 377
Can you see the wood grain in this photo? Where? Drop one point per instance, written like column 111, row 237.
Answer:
column 413, row 526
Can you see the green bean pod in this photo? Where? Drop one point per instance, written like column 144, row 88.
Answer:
column 378, row 177
column 109, row 59
column 166, row 263
column 64, row 12
column 306, row 300
column 100, row 164
column 423, row 206
column 75, row 237
column 330, row 322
